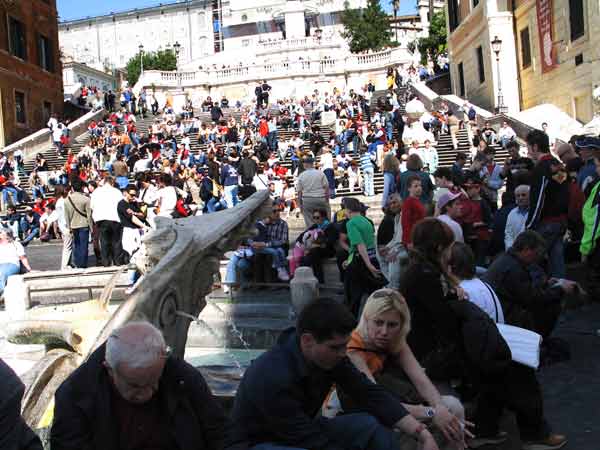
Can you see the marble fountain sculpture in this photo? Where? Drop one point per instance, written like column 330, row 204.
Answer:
column 415, row 130
column 178, row 261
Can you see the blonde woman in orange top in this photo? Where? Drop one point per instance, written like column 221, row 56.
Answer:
column 379, row 342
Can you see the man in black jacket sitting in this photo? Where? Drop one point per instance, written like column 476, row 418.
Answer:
column 130, row 395
column 15, row 434
column 283, row 391
column 529, row 299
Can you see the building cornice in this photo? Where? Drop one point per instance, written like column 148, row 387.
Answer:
column 85, row 68
column 126, row 14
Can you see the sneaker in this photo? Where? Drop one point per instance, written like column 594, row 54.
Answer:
column 501, row 437
column 226, row 289
column 552, row 442
column 282, row 274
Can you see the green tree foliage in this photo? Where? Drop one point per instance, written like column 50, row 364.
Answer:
column 435, row 44
column 160, row 60
column 366, row 28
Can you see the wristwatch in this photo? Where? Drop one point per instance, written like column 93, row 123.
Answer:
column 430, row 412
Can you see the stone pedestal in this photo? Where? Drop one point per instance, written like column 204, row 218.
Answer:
column 303, row 288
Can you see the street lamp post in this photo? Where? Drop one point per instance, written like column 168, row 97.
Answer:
column 177, row 48
column 141, row 47
column 496, row 46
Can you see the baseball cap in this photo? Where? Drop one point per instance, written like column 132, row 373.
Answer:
column 447, row 198
column 308, row 159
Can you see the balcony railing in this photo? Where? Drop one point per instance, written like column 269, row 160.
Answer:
column 295, row 44
column 281, row 69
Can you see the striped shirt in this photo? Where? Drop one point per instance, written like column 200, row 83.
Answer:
column 365, row 162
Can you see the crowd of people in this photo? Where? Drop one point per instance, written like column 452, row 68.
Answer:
column 459, row 251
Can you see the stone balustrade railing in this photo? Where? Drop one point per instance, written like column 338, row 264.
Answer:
column 268, row 70
column 433, row 101
column 41, row 140
column 295, row 44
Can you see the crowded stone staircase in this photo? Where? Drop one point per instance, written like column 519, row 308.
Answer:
column 444, row 147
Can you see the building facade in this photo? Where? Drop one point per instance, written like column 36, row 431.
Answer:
column 203, row 28
column 549, row 53
column 76, row 75
column 109, row 41
column 30, row 68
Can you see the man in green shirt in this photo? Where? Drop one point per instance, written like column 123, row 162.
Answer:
column 589, row 248
column 362, row 268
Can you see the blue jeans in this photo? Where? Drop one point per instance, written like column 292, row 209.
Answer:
column 28, row 230
column 389, row 129
column 81, row 237
column 505, row 140
column 277, row 254
column 352, row 431
column 330, row 181
column 214, row 205
column 553, row 233
column 14, row 194
column 37, row 191
column 6, row 270
column 389, row 186
column 272, row 140
column 369, row 188
column 231, row 195
column 236, row 263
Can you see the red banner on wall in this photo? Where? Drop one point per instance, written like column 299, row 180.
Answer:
column 546, row 35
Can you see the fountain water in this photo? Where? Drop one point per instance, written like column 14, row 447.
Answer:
column 219, row 339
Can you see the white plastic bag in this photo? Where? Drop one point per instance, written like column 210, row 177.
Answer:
column 524, row 344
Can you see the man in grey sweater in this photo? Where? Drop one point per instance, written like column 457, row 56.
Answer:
column 78, row 216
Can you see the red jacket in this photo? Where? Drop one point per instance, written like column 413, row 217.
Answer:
column 412, row 211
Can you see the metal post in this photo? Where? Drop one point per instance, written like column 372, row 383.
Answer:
column 500, row 96
column 496, row 46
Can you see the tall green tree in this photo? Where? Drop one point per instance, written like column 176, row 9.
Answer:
column 366, row 28
column 160, row 60
column 436, row 43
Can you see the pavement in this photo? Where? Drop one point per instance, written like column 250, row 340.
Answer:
column 571, row 389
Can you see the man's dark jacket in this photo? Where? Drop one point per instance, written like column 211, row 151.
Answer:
column 519, row 295
column 15, row 434
column 281, row 393
column 548, row 198
column 84, row 419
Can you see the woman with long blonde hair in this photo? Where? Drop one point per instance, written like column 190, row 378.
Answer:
column 379, row 349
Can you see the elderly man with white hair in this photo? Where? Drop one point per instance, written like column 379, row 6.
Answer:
column 515, row 223
column 130, row 394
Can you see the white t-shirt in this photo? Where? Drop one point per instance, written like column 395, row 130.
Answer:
column 483, row 295
column 60, row 212
column 326, row 161
column 454, row 226
column 168, row 200
column 11, row 252
column 103, row 202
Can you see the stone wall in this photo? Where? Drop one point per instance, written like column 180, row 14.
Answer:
column 568, row 86
column 42, row 89
column 41, row 140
